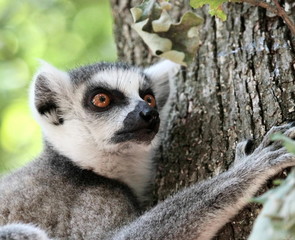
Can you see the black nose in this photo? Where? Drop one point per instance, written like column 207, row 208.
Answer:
column 149, row 115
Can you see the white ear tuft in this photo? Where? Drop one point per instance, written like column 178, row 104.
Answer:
column 163, row 70
column 57, row 79
column 50, row 85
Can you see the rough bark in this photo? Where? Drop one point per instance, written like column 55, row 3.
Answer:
column 239, row 86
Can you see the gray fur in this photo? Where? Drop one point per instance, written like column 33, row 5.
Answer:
column 22, row 232
column 78, row 196
column 64, row 200
column 83, row 74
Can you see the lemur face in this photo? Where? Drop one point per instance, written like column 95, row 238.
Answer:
column 101, row 106
column 117, row 102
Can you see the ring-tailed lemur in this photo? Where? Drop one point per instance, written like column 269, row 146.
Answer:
column 100, row 125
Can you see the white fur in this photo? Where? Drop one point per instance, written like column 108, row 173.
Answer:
column 86, row 140
column 162, row 69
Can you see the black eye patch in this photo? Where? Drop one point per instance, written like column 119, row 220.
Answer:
column 117, row 98
column 149, row 91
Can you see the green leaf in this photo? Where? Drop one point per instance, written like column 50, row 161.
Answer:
column 277, row 218
column 212, row 3
column 277, row 182
column 218, row 12
column 177, row 42
column 215, row 7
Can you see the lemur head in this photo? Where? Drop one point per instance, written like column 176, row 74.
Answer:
column 97, row 112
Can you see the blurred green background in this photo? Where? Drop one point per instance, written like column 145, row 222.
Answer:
column 64, row 33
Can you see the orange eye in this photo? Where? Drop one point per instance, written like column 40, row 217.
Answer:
column 150, row 99
column 101, row 100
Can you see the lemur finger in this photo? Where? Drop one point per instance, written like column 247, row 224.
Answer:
column 276, row 129
column 284, row 161
column 290, row 133
column 245, row 148
column 278, row 144
column 267, row 154
column 240, row 151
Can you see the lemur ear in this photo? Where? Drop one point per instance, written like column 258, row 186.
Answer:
column 48, row 87
column 162, row 74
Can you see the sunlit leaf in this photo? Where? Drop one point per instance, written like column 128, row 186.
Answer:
column 19, row 131
column 68, row 46
column 13, row 74
column 215, row 6
column 9, row 44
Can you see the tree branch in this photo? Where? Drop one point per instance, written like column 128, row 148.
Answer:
column 278, row 10
column 285, row 17
column 262, row 4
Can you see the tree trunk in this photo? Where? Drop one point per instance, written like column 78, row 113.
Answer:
column 239, row 86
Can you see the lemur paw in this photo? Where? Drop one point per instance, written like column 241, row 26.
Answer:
column 287, row 129
column 269, row 154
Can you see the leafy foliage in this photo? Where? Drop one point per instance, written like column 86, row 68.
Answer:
column 64, row 33
column 175, row 41
column 277, row 219
column 215, row 7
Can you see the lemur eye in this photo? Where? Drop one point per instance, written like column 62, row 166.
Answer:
column 150, row 99
column 101, row 100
